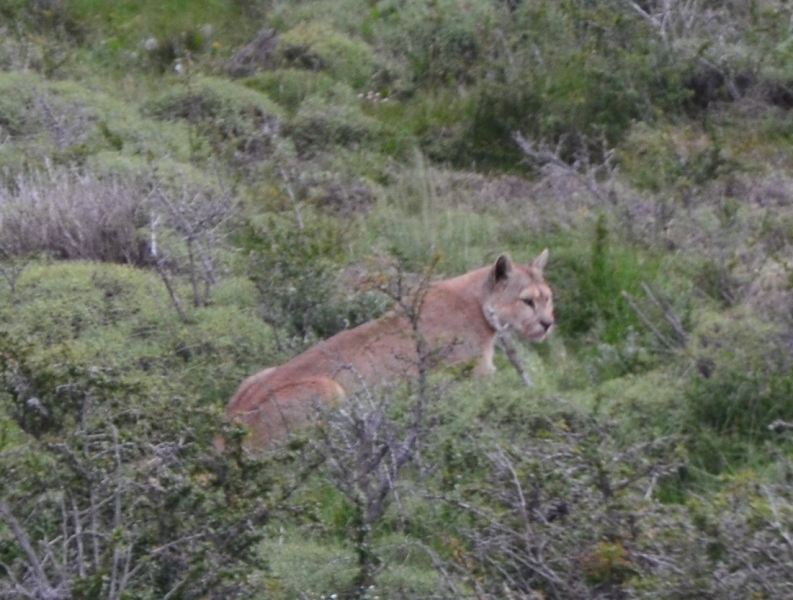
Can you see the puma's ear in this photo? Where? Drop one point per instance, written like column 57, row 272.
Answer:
column 502, row 268
column 539, row 262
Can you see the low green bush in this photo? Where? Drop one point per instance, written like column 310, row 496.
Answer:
column 121, row 318
column 126, row 482
column 65, row 122
column 321, row 124
column 17, row 92
column 317, row 47
column 289, row 87
column 739, row 390
column 294, row 268
column 233, row 119
column 439, row 43
column 590, row 304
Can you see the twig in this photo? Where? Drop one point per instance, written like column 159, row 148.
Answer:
column 115, row 590
column 78, row 535
column 439, row 565
column 657, row 332
column 548, row 158
column 511, row 351
column 24, row 543
column 174, row 297
column 669, row 314
column 291, row 194
column 160, row 266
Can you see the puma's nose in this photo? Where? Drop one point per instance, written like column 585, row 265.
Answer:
column 546, row 324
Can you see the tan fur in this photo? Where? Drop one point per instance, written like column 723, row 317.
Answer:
column 455, row 320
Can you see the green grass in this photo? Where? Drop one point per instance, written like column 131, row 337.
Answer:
column 128, row 22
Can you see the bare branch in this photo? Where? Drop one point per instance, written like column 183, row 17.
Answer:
column 24, row 542
column 582, row 170
column 290, row 192
column 506, row 342
column 650, row 325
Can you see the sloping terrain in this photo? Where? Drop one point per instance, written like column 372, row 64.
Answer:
column 192, row 191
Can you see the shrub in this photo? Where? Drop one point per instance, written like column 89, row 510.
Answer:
column 317, row 47
column 293, row 268
column 320, row 124
column 118, row 317
column 68, row 123
column 566, row 74
column 18, row 94
column 289, row 87
column 549, row 512
column 740, row 385
column 235, row 120
column 657, row 159
column 723, row 545
column 441, row 42
column 39, row 36
column 590, row 299
column 128, row 487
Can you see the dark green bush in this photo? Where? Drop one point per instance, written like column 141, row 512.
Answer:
column 235, row 120
column 741, row 404
column 740, row 385
column 731, row 414
column 294, row 269
column 321, row 124
column 289, row 87
column 589, row 288
column 128, row 486
column 317, row 47
column 571, row 72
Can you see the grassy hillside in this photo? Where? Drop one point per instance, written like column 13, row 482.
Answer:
column 192, row 191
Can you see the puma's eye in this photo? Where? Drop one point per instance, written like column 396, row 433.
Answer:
column 529, row 302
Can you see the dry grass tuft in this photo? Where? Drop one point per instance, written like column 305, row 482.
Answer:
column 72, row 215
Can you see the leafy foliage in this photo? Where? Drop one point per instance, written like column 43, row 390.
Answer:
column 292, row 267
column 316, row 47
column 123, row 487
column 232, row 118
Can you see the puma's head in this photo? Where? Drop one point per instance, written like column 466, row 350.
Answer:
column 520, row 298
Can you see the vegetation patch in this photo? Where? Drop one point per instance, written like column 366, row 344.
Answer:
column 167, row 231
column 317, row 47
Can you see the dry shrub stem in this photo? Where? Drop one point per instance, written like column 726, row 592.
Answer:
column 366, row 451
column 71, row 215
column 506, row 342
column 582, row 169
column 664, row 308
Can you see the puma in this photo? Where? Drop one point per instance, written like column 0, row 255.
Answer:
column 458, row 319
